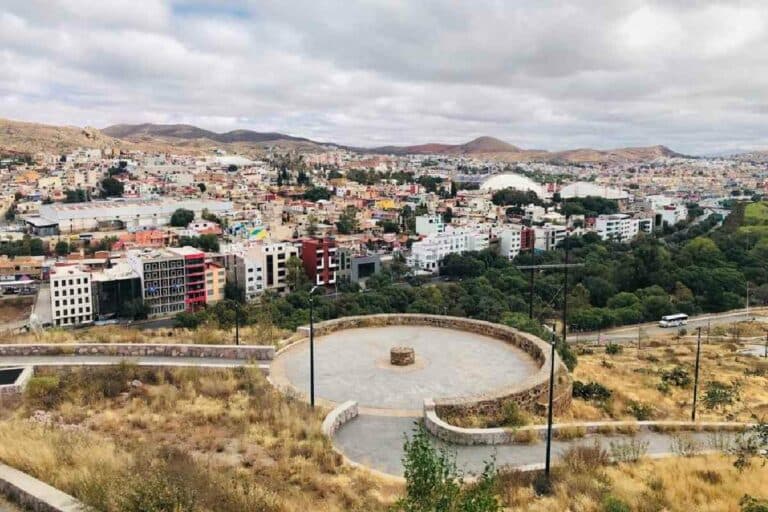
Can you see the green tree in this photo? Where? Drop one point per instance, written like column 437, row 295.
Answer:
column 62, row 248
column 347, row 223
column 434, row 484
column 182, row 217
column 112, row 187
column 296, row 277
column 317, row 193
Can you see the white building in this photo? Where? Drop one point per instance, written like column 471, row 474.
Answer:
column 427, row 253
column 620, row 227
column 128, row 214
column 586, row 189
column 258, row 266
column 71, row 302
column 511, row 241
column 667, row 210
column 548, row 236
column 429, row 225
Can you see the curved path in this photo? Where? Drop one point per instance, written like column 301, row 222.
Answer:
column 377, row 442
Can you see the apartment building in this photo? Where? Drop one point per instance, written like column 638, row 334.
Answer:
column 71, row 303
column 548, row 236
column 259, row 266
column 194, row 276
column 112, row 287
column 618, row 227
column 215, row 281
column 515, row 239
column 427, row 253
column 162, row 274
column 319, row 256
column 429, row 225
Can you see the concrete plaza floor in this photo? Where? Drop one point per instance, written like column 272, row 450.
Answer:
column 353, row 364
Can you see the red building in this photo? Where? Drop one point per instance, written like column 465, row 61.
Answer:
column 527, row 239
column 320, row 260
column 194, row 276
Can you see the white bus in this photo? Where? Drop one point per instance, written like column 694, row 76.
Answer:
column 675, row 320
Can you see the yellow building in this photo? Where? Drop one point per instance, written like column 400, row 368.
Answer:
column 386, row 204
column 215, row 280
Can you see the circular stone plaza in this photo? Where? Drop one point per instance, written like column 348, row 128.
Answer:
column 452, row 360
column 396, row 368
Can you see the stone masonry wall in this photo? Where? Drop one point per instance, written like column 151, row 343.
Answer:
column 243, row 352
column 338, row 417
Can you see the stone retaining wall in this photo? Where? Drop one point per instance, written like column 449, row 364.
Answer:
column 529, row 393
column 499, row 436
column 338, row 417
column 32, row 494
column 18, row 386
column 243, row 352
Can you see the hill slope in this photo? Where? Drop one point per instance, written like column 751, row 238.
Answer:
column 185, row 135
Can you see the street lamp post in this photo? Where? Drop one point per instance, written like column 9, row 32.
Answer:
column 696, row 374
column 312, row 347
column 551, row 400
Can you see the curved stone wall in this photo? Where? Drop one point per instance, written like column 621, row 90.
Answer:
column 530, row 393
column 498, row 436
column 241, row 352
column 338, row 417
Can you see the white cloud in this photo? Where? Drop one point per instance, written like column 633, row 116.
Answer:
column 536, row 73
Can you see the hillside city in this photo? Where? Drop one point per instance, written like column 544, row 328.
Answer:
column 430, row 256
column 102, row 236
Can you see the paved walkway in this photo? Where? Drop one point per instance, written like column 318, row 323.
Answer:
column 377, row 442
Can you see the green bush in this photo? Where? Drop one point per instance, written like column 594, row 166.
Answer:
column 613, row 504
column 43, row 392
column 677, row 376
column 640, row 410
column 513, row 415
column 751, row 504
column 613, row 349
column 590, row 391
column 719, row 395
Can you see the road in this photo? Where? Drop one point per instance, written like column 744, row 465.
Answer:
column 377, row 442
column 630, row 332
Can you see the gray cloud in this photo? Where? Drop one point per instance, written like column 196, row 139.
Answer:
column 536, row 73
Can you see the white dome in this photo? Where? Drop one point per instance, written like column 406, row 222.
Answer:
column 511, row 180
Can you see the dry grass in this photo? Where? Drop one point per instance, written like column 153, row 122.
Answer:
column 636, row 377
column 196, row 431
column 702, row 483
column 249, row 335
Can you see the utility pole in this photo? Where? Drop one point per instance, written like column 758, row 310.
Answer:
column 696, row 374
column 551, row 401
column 766, row 346
column 530, row 291
column 312, row 347
column 565, row 287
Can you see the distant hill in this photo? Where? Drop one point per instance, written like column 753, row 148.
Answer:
column 492, row 147
column 30, row 138
column 476, row 146
column 187, row 134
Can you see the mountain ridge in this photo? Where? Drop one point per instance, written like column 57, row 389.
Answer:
column 19, row 136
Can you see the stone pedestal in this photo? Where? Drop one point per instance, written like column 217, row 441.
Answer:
column 402, row 356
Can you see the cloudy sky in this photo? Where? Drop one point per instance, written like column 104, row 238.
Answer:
column 688, row 74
